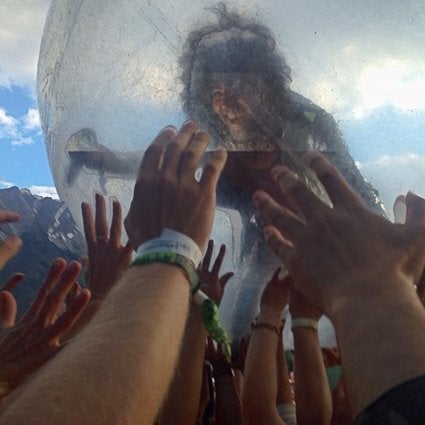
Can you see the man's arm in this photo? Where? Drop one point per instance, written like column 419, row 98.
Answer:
column 312, row 392
column 260, row 377
column 117, row 370
column 356, row 267
column 182, row 403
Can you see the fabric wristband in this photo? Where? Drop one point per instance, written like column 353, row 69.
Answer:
column 304, row 322
column 172, row 241
column 209, row 314
column 171, row 258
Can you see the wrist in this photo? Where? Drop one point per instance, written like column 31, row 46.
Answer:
column 271, row 316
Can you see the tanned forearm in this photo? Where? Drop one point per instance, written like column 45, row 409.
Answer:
column 118, row 368
column 182, row 402
column 312, row 393
column 260, row 382
column 228, row 403
column 284, row 393
column 395, row 335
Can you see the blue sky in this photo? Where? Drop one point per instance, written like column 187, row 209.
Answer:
column 380, row 105
column 23, row 155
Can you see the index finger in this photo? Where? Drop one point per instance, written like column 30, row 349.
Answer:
column 101, row 222
column 207, row 257
column 116, row 224
column 152, row 159
column 88, row 224
column 219, row 260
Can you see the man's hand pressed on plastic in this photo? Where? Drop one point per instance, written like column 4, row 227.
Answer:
column 107, row 258
column 167, row 195
column 211, row 282
column 274, row 298
column 31, row 342
column 331, row 252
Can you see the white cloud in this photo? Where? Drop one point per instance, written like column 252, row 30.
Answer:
column 395, row 175
column 18, row 131
column 21, row 25
column 5, row 184
column 32, row 119
column 6, row 120
column 22, row 141
column 382, row 81
column 44, row 191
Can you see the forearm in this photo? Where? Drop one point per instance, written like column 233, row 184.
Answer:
column 182, row 402
column 284, row 393
column 117, row 370
column 228, row 403
column 312, row 392
column 260, row 382
column 393, row 348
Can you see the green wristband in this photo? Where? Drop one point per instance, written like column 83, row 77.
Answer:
column 171, row 258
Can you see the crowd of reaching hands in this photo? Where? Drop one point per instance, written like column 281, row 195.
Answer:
column 131, row 347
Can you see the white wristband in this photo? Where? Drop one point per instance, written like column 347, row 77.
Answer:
column 172, row 241
column 304, row 322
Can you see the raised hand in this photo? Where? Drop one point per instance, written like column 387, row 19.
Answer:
column 31, row 342
column 211, row 282
column 107, row 259
column 331, row 252
column 275, row 296
column 300, row 306
column 167, row 195
column 10, row 246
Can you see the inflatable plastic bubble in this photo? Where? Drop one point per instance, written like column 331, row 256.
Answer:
column 268, row 80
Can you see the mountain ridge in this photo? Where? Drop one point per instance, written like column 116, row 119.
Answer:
column 48, row 231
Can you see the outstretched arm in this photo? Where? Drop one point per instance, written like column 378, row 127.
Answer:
column 260, row 378
column 312, row 392
column 117, row 370
column 181, row 405
column 355, row 266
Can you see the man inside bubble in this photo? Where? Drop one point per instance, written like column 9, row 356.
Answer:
column 237, row 87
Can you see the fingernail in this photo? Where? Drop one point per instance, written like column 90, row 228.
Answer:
column 167, row 128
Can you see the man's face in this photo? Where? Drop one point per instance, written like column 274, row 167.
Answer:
column 237, row 102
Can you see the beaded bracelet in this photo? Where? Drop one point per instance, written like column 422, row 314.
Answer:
column 265, row 325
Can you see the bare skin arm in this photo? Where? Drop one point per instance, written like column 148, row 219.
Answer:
column 118, row 368
column 354, row 264
column 227, row 399
column 182, row 403
column 260, row 378
column 312, row 392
